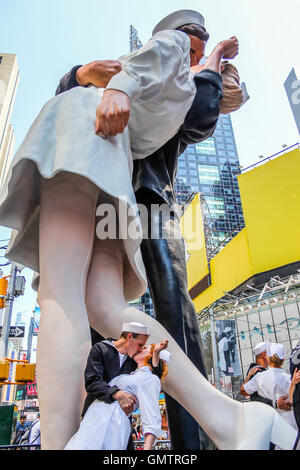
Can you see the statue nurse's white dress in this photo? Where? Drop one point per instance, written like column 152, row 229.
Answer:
column 161, row 89
column 59, row 175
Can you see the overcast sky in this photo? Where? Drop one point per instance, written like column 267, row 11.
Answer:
column 50, row 36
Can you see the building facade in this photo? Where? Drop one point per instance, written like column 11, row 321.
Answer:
column 211, row 167
column 9, row 79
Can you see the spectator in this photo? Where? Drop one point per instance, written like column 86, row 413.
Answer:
column 21, row 428
column 35, row 433
column 274, row 382
column 295, row 366
column 260, row 365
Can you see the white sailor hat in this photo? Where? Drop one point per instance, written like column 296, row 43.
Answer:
column 276, row 348
column 135, row 327
column 177, row 19
column 165, row 355
column 260, row 347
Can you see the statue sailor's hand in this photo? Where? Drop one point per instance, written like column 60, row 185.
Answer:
column 98, row 72
column 126, row 401
column 112, row 114
column 230, row 48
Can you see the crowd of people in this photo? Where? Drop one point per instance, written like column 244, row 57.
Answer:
column 267, row 382
column 124, row 375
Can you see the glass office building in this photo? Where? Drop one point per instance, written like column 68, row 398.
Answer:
column 211, row 167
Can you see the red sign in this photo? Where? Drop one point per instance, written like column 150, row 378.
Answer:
column 31, row 390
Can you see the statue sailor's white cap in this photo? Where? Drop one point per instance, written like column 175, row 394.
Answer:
column 179, row 18
column 276, row 348
column 135, row 327
column 260, row 347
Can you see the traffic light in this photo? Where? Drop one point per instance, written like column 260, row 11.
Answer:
column 3, row 286
column 25, row 373
column 4, row 370
column 3, row 291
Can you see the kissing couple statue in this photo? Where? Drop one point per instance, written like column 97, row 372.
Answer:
column 77, row 155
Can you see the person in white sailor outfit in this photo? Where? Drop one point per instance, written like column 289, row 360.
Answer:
column 261, row 364
column 274, row 382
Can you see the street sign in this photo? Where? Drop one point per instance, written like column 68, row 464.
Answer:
column 15, row 331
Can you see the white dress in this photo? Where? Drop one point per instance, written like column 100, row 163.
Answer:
column 106, row 427
column 161, row 88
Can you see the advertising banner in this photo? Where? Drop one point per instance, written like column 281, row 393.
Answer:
column 36, row 325
column 229, row 364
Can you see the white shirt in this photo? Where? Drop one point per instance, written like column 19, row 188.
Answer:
column 35, row 433
column 158, row 80
column 272, row 383
column 146, row 387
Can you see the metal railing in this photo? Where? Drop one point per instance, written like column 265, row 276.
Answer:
column 21, row 447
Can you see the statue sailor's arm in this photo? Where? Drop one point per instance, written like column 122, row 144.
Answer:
column 98, row 73
column 144, row 75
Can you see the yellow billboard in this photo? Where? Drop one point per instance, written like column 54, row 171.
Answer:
column 191, row 224
column 270, row 196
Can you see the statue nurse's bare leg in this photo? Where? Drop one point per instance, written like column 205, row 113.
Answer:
column 67, row 225
column 227, row 422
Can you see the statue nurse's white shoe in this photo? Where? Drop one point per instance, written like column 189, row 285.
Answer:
column 262, row 425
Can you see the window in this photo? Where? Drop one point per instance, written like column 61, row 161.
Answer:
column 208, row 174
column 207, row 147
column 201, row 158
column 193, row 173
column 192, row 165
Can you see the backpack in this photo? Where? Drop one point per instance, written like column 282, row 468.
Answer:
column 25, row 437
